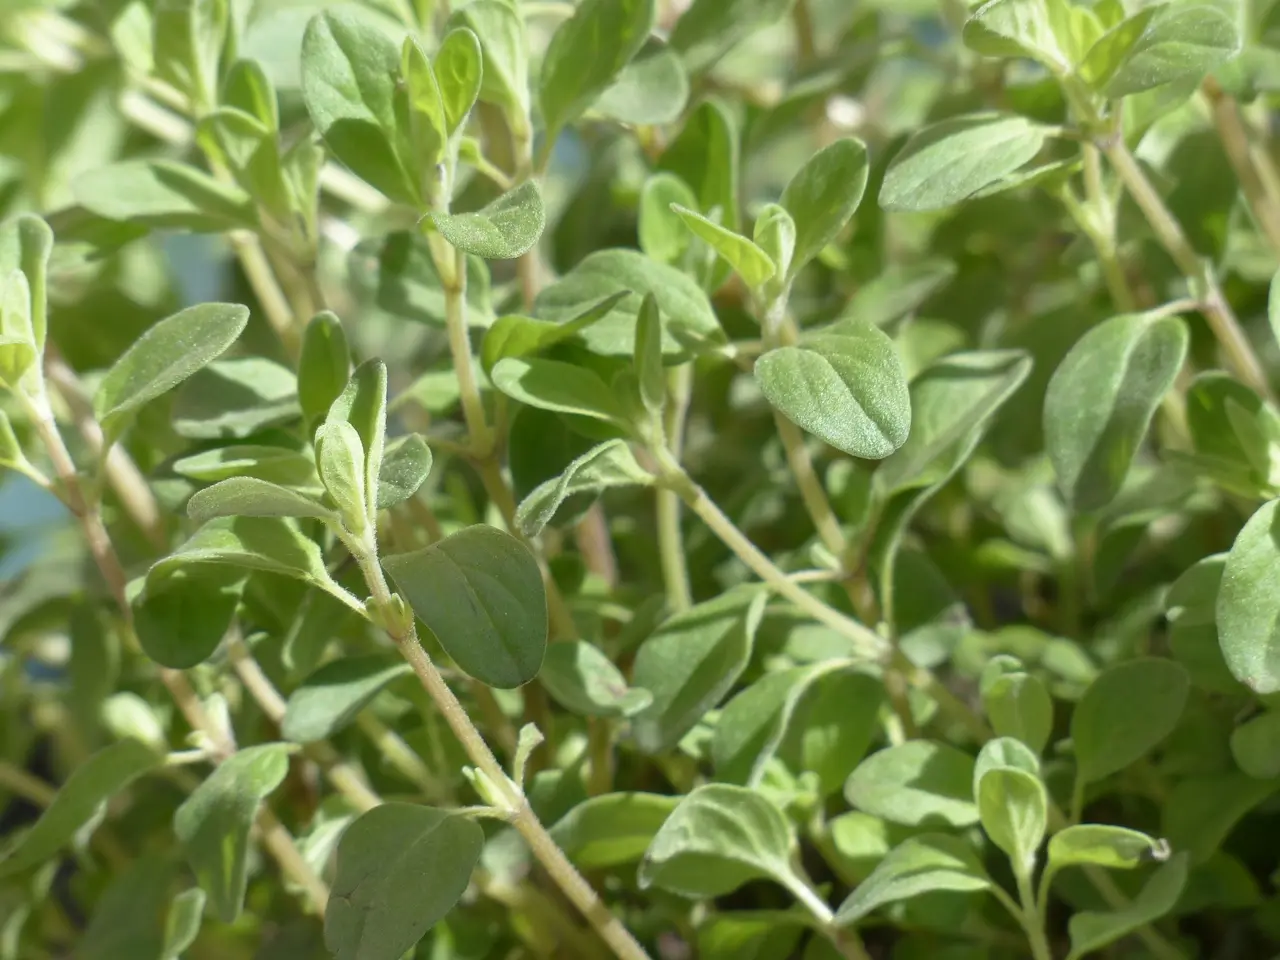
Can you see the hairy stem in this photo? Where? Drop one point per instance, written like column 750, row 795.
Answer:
column 1235, row 141
column 675, row 570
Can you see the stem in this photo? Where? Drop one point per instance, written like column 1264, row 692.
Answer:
column 523, row 818
column 1217, row 311
column 1235, row 141
column 1103, row 235
column 275, row 305
column 453, row 275
column 600, row 745
column 866, row 643
column 1032, row 921
column 280, row 845
column 20, row 783
column 675, row 571
column 811, row 492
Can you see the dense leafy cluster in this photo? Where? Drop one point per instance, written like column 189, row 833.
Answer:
column 735, row 480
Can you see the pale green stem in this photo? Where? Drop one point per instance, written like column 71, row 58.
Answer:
column 1032, row 921
column 675, row 569
column 20, row 783
column 1235, row 142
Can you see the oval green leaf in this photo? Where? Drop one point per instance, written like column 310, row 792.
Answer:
column 505, row 229
column 918, row 783
column 332, row 697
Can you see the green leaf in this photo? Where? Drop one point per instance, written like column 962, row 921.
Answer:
column 405, row 468
column 652, row 89
column 401, row 868
column 250, row 150
column 1199, row 812
column 1096, row 844
column 950, row 402
column 848, row 389
column 18, row 354
column 582, row 679
column 650, row 373
column 1248, row 608
column 187, row 43
column 78, row 802
column 1127, row 710
column 612, row 829
column 662, row 233
column 181, row 616
column 349, row 76
column 1160, row 44
column 1004, row 753
column 690, row 662
column 705, row 156
column 917, row 783
column 752, row 724
column 363, row 404
column 505, row 229
column 832, row 728
column 247, row 87
column 718, row 838
column 823, row 195
column 340, row 459
column 165, row 355
column 1255, row 745
column 687, row 314
column 1013, row 807
column 25, row 245
column 458, row 71
column 480, row 592
column 919, row 865
column 586, row 54
column 213, row 823
column 235, row 398
column 952, row 160
column 1191, row 608
column 1092, row 930
column 1020, row 28
column 560, row 387
column 775, row 234
column 250, row 497
column 514, row 335
column 324, row 365
column 182, row 923
column 330, row 699
column 748, row 261
column 278, row 465
column 604, row 467
column 1101, row 401
column 164, row 195
column 710, row 28
column 270, row 544
column 898, row 291
column 505, row 75
column 1018, row 705
column 398, row 274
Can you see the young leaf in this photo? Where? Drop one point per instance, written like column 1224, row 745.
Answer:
column 505, row 71
column 213, row 823
column 163, row 357
column 917, row 783
column 25, row 245
column 612, row 829
column 96, row 780
column 499, row 634
column 514, row 335
column 1018, row 705
column 690, row 662
column 1248, row 606
column 582, row 680
column 164, row 195
column 363, row 404
column 686, row 312
column 349, row 75
column 1160, row 44
column 749, row 261
column 340, row 460
column 652, row 89
column 609, row 465
column 847, row 388
column 401, row 868
column 1096, row 844
column 1020, row 28
column 952, row 160
column 560, row 387
column 650, row 372
column 718, row 838
column 662, row 233
column 922, row 864
column 1013, row 807
column 1255, row 745
column 823, row 195
column 1125, row 713
column 705, row 156
column 405, row 468
column 585, row 55
column 182, row 615
column 17, row 336
column 250, row 497
column 1092, row 930
column 324, row 366
column 504, row 230
column 331, row 698
column 182, row 923
column 775, row 234
column 1101, row 400
column 1004, row 753
column 187, row 43
column 709, row 28
column 458, row 70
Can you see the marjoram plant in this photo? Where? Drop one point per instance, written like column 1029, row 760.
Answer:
column 712, row 480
